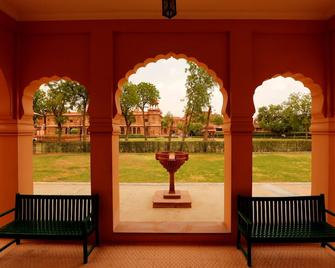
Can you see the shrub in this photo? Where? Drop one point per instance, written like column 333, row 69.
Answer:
column 281, row 145
column 61, row 147
column 259, row 145
column 134, row 136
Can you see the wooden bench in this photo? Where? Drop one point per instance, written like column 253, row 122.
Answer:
column 62, row 217
column 283, row 219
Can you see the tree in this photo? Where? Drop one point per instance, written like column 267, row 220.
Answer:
column 58, row 103
column 298, row 112
column 199, row 87
column 148, row 95
column 293, row 115
column 195, row 128
column 40, row 107
column 78, row 98
column 128, row 101
column 167, row 122
column 272, row 118
column 216, row 119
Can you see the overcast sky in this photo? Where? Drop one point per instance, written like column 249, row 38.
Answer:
column 169, row 77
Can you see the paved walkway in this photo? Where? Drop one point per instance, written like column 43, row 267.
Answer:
column 207, row 199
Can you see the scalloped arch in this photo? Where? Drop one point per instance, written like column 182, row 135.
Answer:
column 29, row 91
column 167, row 56
column 5, row 100
column 315, row 89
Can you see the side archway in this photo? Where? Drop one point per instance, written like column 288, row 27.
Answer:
column 318, row 114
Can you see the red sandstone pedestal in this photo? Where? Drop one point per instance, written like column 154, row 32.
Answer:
column 163, row 200
column 172, row 198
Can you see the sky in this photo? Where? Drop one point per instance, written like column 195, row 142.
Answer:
column 169, row 77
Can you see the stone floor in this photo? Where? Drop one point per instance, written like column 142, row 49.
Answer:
column 40, row 254
column 207, row 199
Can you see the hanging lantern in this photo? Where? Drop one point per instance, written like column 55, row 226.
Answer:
column 169, row 8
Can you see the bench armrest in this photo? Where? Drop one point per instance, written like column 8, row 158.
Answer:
column 330, row 212
column 7, row 212
column 89, row 216
column 244, row 222
column 87, row 219
column 244, row 218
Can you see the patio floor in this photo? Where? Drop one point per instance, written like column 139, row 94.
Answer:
column 37, row 254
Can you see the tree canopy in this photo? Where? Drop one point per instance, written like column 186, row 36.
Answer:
column 199, row 89
column 167, row 122
column 148, row 95
column 293, row 115
column 216, row 119
column 78, row 100
column 39, row 105
column 128, row 102
column 58, row 98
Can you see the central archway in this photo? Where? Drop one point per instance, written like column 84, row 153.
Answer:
column 174, row 227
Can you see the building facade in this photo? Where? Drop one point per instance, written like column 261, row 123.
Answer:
column 73, row 126
column 153, row 123
column 47, row 127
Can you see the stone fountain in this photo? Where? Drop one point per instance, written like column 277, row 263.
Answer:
column 172, row 198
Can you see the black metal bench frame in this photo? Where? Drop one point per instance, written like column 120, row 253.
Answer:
column 44, row 216
column 283, row 220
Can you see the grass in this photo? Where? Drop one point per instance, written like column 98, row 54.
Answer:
column 277, row 167
column 267, row 167
column 61, row 167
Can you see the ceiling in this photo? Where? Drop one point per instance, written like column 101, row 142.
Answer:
column 28, row 10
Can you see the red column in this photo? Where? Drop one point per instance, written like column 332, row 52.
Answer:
column 238, row 126
column 104, row 134
column 323, row 160
column 15, row 160
column 104, row 172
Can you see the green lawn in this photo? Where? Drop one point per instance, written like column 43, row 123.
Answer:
column 267, row 167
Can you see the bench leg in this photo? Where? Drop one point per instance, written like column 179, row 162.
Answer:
column 97, row 238
column 238, row 241
column 85, row 252
column 18, row 241
column 249, row 253
column 323, row 244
